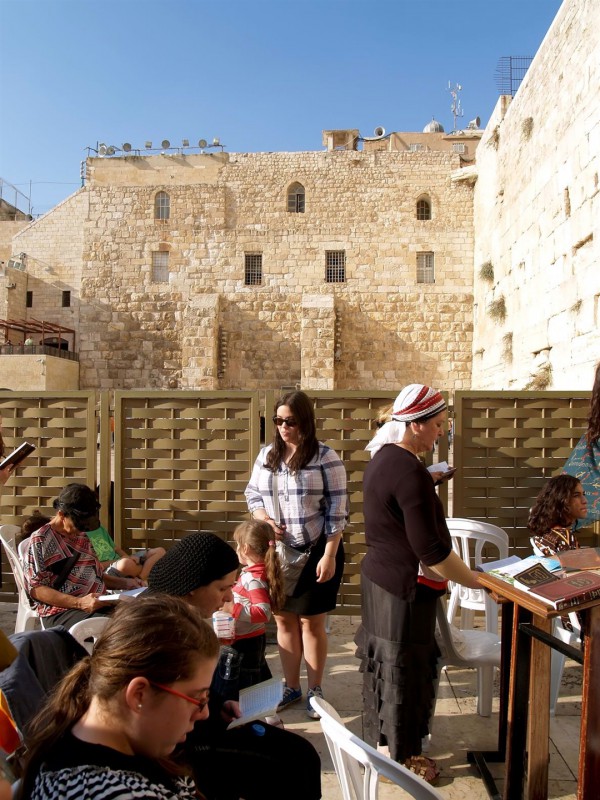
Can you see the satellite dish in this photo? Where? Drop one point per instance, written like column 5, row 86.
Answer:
column 126, row 147
column 216, row 141
column 379, row 131
column 110, row 150
column 148, row 145
column 165, row 144
column 102, row 150
column 202, row 143
column 185, row 142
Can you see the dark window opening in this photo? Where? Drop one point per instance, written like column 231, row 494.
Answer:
column 66, row 299
column 252, row 269
column 335, row 266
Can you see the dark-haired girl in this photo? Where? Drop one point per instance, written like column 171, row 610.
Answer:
column 313, row 508
column 557, row 508
column 111, row 725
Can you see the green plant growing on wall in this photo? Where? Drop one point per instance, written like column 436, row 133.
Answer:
column 486, row 271
column 497, row 309
column 541, row 379
column 507, row 347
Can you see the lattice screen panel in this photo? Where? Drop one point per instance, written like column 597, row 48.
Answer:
column 182, row 463
column 507, row 445
column 62, row 426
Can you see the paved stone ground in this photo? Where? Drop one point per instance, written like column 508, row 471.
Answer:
column 456, row 730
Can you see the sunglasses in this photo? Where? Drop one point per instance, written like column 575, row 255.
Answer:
column 290, row 422
column 201, row 704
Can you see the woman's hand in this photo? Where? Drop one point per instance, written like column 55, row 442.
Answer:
column 6, row 473
column 230, row 710
column 325, row 568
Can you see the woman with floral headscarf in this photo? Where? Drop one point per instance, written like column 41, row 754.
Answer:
column 408, row 563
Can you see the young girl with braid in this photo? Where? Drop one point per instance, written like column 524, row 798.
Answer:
column 257, row 593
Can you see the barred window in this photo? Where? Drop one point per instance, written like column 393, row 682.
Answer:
column 335, row 266
column 414, row 147
column 252, row 269
column 425, row 268
column 160, row 267
column 295, row 199
column 162, row 206
column 423, row 209
column 459, row 147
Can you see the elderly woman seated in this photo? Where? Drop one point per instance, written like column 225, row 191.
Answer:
column 63, row 577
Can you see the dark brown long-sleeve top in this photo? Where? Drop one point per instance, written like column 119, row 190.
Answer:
column 404, row 521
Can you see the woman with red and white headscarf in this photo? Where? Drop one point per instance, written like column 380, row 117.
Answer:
column 408, row 562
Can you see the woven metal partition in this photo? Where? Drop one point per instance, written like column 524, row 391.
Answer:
column 182, row 462
column 63, row 428
column 507, row 445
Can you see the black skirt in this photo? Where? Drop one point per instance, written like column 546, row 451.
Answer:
column 311, row 598
column 398, row 652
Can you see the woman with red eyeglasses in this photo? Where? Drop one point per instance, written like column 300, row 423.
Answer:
column 112, row 724
column 298, row 486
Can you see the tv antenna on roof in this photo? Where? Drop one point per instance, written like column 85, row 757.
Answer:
column 455, row 107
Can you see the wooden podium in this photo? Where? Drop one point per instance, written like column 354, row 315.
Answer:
column 525, row 694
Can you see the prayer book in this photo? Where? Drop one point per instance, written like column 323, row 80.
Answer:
column 534, row 576
column 259, row 701
column 576, row 588
column 580, row 558
column 18, row 455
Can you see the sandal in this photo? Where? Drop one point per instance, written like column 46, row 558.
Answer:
column 424, row 767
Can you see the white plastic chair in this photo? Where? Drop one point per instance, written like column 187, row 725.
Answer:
column 469, row 536
column 27, row 618
column 349, row 754
column 478, row 650
column 87, row 631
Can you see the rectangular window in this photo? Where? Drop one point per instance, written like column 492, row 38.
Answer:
column 335, row 266
column 66, row 299
column 458, row 147
column 252, row 269
column 160, row 267
column 29, row 300
column 415, row 147
column 425, row 268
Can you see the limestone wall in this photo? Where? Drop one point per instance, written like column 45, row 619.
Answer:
column 537, row 217
column 134, row 332
column 38, row 372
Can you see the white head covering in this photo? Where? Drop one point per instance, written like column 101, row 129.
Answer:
column 414, row 402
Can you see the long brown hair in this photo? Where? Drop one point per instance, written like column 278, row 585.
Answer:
column 551, row 507
column 302, row 408
column 160, row 638
column 259, row 537
column 593, row 431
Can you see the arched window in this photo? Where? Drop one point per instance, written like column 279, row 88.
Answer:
column 162, row 206
column 423, row 208
column 296, row 197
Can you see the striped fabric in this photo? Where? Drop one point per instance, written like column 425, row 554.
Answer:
column 310, row 501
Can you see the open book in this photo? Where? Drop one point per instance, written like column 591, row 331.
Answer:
column 259, row 701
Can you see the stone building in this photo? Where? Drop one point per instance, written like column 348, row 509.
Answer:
column 462, row 260
column 338, row 269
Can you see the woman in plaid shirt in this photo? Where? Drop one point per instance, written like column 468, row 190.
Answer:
column 313, row 510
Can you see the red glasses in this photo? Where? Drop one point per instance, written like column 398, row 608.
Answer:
column 201, row 704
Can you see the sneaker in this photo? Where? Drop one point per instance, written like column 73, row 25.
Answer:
column 316, row 691
column 289, row 696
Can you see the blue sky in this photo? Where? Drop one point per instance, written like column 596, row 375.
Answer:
column 262, row 75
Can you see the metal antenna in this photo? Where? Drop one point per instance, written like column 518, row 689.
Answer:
column 455, row 107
